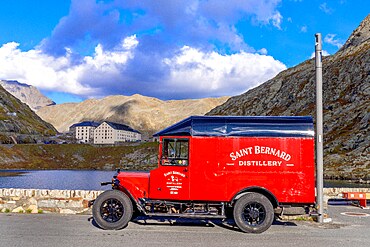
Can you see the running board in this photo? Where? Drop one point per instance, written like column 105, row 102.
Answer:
column 197, row 216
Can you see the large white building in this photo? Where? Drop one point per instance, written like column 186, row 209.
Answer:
column 104, row 133
column 111, row 133
column 84, row 131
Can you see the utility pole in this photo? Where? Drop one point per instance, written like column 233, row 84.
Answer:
column 319, row 129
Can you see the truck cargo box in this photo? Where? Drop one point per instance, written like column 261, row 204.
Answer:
column 227, row 155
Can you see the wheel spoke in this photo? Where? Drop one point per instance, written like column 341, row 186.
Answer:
column 111, row 210
column 253, row 214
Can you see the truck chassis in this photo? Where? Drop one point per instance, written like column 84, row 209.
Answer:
column 252, row 212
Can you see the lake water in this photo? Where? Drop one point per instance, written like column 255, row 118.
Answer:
column 83, row 180
column 55, row 179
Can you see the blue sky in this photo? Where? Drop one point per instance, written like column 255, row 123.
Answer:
column 170, row 49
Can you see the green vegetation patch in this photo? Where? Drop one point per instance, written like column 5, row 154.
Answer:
column 79, row 156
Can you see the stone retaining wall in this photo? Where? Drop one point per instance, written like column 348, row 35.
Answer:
column 46, row 201
column 76, row 201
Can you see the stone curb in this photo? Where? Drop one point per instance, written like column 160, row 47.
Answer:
column 76, row 201
column 46, row 201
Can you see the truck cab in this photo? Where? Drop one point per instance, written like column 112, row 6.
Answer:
column 219, row 167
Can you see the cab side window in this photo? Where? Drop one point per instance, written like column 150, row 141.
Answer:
column 175, row 152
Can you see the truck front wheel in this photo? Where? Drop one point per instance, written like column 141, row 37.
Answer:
column 112, row 210
column 253, row 213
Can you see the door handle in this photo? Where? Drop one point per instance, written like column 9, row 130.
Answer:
column 186, row 169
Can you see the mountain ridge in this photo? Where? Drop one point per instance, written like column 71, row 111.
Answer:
column 18, row 123
column 146, row 114
column 346, row 94
column 27, row 94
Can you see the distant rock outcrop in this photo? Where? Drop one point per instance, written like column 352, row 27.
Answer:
column 359, row 36
column 346, row 78
column 145, row 114
column 27, row 94
column 18, row 123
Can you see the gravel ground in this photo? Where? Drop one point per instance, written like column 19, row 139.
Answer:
column 77, row 230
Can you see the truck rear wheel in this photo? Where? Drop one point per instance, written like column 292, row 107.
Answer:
column 112, row 210
column 253, row 213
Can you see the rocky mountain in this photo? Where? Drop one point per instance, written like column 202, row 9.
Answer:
column 145, row 114
column 18, row 123
column 27, row 94
column 346, row 86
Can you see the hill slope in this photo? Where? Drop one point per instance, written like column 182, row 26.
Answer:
column 145, row 114
column 19, row 122
column 27, row 94
column 131, row 156
column 346, row 85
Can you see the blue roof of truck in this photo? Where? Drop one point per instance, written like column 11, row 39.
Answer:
column 259, row 126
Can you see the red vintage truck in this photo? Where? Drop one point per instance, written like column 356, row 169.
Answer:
column 217, row 167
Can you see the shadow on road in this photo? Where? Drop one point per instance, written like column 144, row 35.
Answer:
column 145, row 220
column 93, row 222
column 283, row 223
column 228, row 224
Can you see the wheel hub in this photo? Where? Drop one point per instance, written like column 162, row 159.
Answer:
column 111, row 210
column 254, row 214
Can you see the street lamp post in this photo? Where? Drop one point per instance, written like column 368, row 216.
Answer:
column 319, row 128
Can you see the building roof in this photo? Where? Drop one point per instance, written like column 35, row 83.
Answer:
column 85, row 124
column 259, row 126
column 118, row 126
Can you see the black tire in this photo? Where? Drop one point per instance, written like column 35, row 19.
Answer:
column 112, row 210
column 253, row 213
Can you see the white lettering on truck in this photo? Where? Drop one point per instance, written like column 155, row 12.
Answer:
column 241, row 153
column 260, row 150
column 174, row 181
column 260, row 163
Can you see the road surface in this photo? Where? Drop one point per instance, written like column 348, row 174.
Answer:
column 77, row 230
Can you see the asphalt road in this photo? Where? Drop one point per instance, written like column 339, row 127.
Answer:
column 76, row 230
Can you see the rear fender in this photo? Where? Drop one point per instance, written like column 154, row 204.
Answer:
column 260, row 190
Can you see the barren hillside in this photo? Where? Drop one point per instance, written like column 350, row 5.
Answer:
column 145, row 114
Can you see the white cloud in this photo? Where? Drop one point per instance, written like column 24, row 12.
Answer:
column 325, row 8
column 303, row 29
column 324, row 53
column 262, row 51
column 107, row 61
column 192, row 69
column 276, row 20
column 263, row 12
column 35, row 68
column 188, row 72
column 330, row 39
column 192, row 22
column 62, row 74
